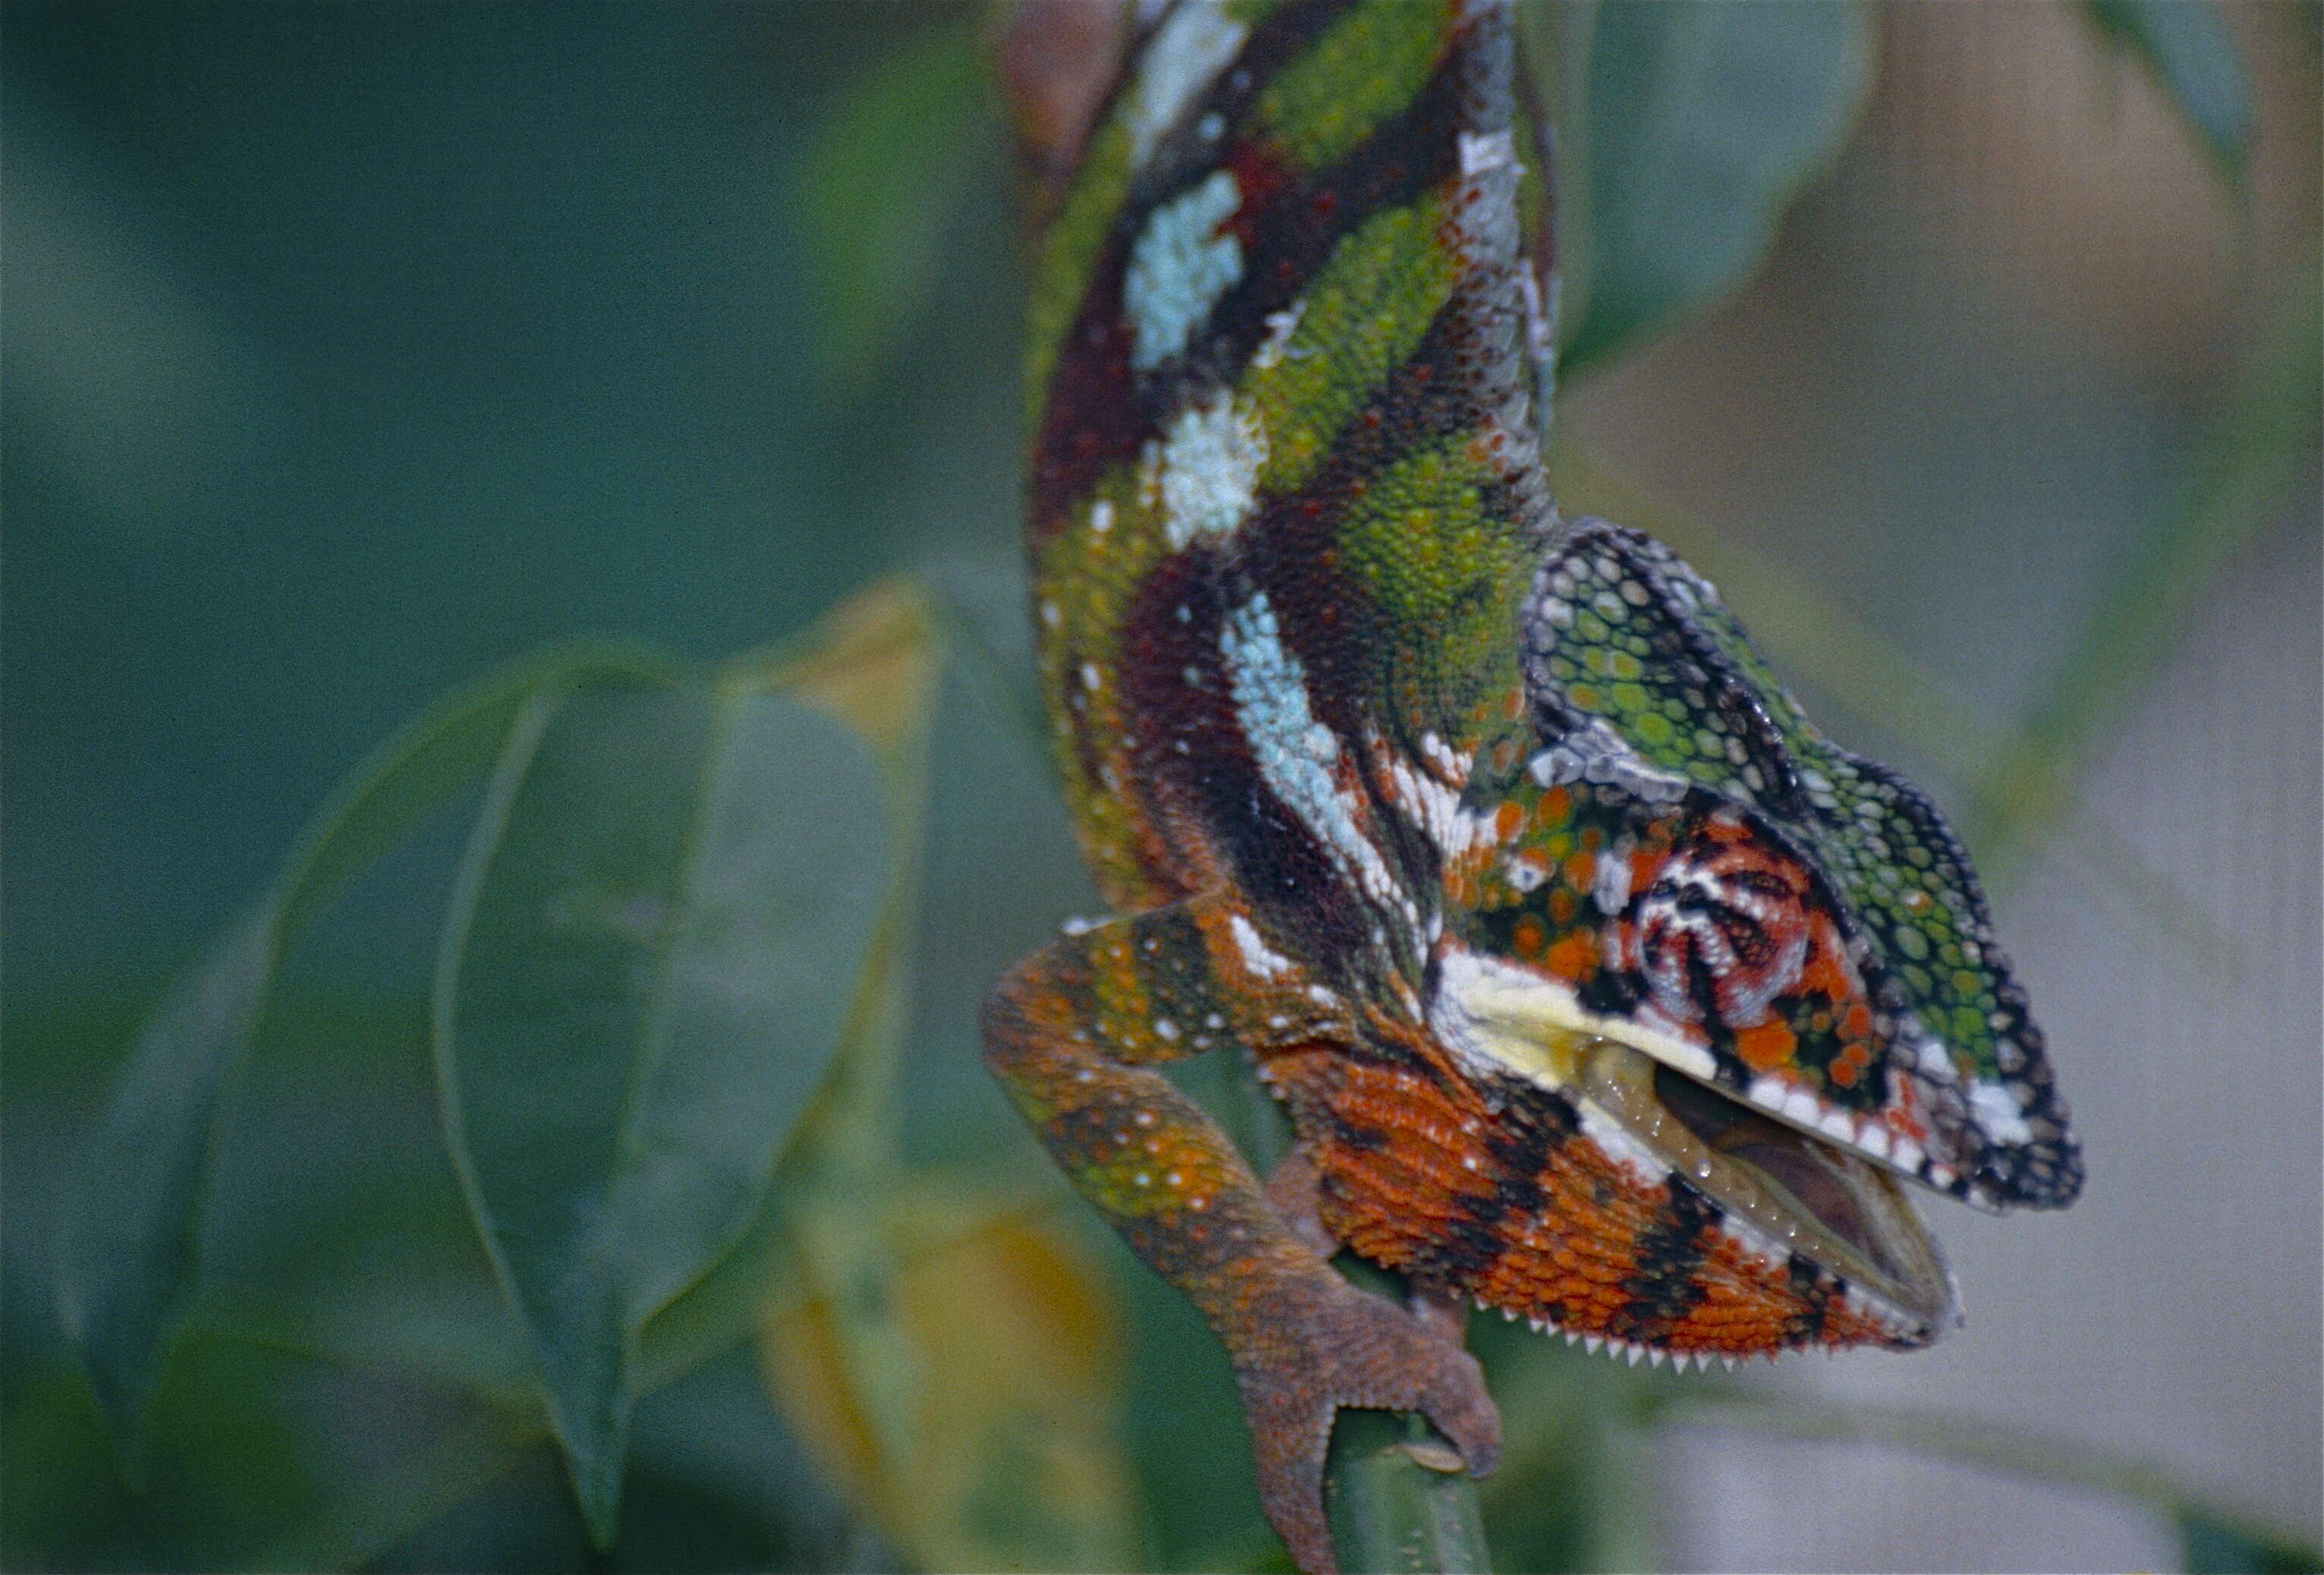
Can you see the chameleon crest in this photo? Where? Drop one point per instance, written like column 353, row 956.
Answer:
column 1600, row 988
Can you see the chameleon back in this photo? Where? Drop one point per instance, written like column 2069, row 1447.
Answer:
column 1282, row 371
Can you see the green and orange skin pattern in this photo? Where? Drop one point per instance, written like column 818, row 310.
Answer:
column 1435, row 806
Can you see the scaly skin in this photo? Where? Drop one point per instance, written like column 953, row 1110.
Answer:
column 1486, row 834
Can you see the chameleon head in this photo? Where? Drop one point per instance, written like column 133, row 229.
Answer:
column 1756, row 969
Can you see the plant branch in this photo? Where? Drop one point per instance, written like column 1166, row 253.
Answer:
column 1399, row 1500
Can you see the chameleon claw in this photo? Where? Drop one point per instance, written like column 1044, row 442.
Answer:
column 1327, row 1345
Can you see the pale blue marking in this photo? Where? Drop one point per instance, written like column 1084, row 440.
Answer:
column 1294, row 752
column 1180, row 267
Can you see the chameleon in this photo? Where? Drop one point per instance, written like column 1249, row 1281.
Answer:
column 1600, row 988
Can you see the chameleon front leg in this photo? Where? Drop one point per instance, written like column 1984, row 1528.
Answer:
column 1073, row 1034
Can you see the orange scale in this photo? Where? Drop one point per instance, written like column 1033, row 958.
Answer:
column 1574, row 957
column 1826, row 972
column 1766, row 1045
column 1645, row 864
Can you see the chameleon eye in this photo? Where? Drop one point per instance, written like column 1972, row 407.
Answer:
column 1722, row 932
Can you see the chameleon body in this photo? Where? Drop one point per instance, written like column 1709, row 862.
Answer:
column 1598, row 986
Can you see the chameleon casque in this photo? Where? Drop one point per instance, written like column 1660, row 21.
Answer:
column 1599, row 989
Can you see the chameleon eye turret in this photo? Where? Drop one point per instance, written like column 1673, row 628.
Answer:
column 1600, row 988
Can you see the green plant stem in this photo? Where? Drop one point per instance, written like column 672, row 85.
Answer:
column 1399, row 1500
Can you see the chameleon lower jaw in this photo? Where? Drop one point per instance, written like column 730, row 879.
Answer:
column 1799, row 1194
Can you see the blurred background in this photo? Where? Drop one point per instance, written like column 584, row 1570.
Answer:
column 349, row 351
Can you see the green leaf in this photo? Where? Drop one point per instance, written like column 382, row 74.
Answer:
column 873, row 663
column 873, row 190
column 133, row 1217
column 1702, row 124
column 646, row 964
column 2211, row 1544
column 2190, row 51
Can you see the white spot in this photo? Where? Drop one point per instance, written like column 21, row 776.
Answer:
column 1752, row 1239
column 1179, row 267
column 1614, row 1140
column 1257, row 956
column 1321, row 996
column 1101, row 517
column 1610, row 888
column 1165, row 1030
column 1280, row 326
column 1090, row 679
column 1436, row 808
column 1452, row 765
column 1838, row 1124
column 1080, row 926
column 1998, row 1114
column 1490, row 151
column 1144, row 1180
column 1212, row 126
column 1185, row 57
column 1050, row 615
column 1210, row 470
column 1595, row 752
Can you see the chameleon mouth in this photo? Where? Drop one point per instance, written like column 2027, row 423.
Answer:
column 1782, row 1189
column 1779, row 1189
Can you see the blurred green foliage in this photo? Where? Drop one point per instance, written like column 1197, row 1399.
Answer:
column 575, row 1157
column 2194, row 55
column 1695, row 128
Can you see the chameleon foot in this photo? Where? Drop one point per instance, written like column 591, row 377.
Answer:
column 1324, row 1344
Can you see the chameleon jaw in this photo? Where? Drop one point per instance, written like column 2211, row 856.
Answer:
column 1780, row 1190
column 1794, row 1191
